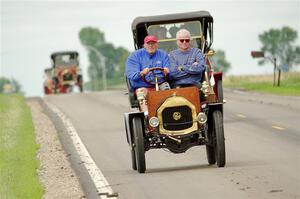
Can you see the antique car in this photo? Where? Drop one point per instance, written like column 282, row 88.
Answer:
column 67, row 72
column 177, row 119
column 48, row 81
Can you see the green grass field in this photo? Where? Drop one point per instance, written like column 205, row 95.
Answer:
column 289, row 85
column 18, row 163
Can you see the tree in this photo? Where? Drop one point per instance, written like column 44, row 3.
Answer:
column 219, row 62
column 90, row 36
column 93, row 37
column 9, row 85
column 279, row 44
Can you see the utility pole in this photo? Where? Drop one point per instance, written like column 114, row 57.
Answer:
column 275, row 67
column 260, row 54
column 102, row 60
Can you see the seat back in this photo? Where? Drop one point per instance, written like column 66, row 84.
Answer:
column 131, row 94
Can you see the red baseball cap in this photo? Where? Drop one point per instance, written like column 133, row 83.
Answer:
column 150, row 38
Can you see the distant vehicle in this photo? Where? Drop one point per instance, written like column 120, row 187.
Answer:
column 180, row 118
column 67, row 72
column 48, row 81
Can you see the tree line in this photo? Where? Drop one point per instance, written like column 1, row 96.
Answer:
column 277, row 44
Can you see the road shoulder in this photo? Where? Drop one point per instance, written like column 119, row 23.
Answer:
column 55, row 171
column 290, row 102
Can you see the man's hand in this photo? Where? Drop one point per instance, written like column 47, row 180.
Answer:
column 180, row 68
column 166, row 71
column 144, row 71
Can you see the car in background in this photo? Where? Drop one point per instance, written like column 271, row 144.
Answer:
column 48, row 81
column 66, row 71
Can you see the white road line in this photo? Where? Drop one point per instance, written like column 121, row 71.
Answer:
column 97, row 176
column 241, row 115
column 277, row 127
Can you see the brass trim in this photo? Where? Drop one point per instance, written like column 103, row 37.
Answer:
column 173, row 102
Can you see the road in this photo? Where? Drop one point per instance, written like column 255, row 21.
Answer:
column 262, row 148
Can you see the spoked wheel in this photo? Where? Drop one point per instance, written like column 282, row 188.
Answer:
column 219, row 142
column 139, row 147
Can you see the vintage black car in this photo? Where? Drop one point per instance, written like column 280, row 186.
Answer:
column 67, row 72
column 180, row 118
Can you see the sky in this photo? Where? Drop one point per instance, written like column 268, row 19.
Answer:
column 32, row 30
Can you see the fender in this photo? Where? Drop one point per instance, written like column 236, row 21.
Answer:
column 215, row 106
column 128, row 117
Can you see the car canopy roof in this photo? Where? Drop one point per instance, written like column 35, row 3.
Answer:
column 140, row 24
column 64, row 53
column 170, row 18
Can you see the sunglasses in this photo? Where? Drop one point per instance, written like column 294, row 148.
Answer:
column 184, row 40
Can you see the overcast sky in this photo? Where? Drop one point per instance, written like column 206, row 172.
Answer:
column 32, row 30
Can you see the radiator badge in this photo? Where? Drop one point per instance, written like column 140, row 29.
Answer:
column 176, row 116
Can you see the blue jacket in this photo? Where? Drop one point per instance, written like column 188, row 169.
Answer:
column 141, row 59
column 183, row 71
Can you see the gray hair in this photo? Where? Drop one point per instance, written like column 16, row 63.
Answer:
column 183, row 32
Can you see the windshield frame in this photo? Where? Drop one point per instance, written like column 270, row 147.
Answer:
column 193, row 26
column 65, row 60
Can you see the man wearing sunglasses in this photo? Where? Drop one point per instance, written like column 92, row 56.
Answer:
column 187, row 64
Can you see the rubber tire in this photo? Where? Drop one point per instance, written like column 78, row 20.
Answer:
column 55, row 80
column 218, row 131
column 80, row 83
column 139, row 144
column 132, row 152
column 220, row 91
column 81, row 88
column 133, row 159
column 210, row 153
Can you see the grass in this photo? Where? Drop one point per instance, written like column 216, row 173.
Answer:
column 289, row 84
column 18, row 163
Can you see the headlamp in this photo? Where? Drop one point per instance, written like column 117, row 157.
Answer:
column 201, row 118
column 154, row 122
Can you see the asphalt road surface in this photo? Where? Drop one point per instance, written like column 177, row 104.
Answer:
column 262, row 149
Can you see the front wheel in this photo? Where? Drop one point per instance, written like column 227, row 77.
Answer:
column 139, row 145
column 56, row 82
column 220, row 91
column 133, row 158
column 132, row 152
column 218, row 132
column 80, row 83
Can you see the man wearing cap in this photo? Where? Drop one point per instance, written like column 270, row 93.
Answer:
column 139, row 62
column 187, row 64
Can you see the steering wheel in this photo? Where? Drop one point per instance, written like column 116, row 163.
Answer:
column 151, row 75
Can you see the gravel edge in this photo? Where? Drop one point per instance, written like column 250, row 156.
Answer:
column 55, row 171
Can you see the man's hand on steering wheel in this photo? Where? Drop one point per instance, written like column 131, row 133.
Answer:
column 146, row 71
column 166, row 71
